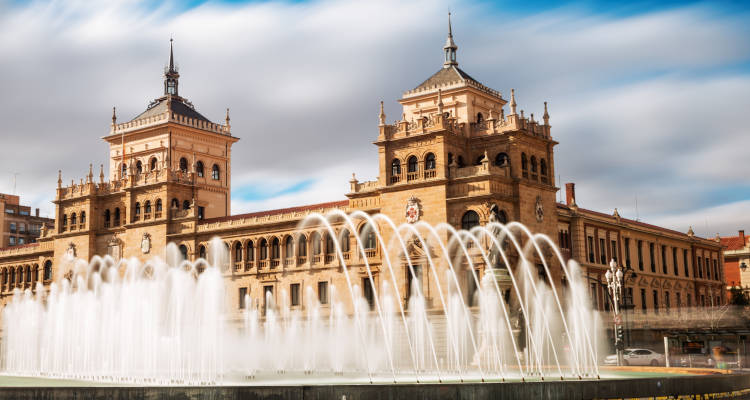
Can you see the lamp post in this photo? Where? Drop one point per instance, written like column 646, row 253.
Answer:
column 614, row 277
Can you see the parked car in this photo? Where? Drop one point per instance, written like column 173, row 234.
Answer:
column 637, row 357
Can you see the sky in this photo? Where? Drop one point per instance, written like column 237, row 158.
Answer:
column 648, row 101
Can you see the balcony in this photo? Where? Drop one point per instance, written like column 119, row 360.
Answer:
column 288, row 262
column 329, row 258
column 157, row 214
column 396, row 179
column 316, row 259
column 261, row 264
column 238, row 266
column 412, row 176
column 274, row 263
column 248, row 265
column 430, row 174
column 301, row 261
column 370, row 253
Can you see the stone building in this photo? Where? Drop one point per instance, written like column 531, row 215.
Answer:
column 18, row 226
column 457, row 155
column 737, row 260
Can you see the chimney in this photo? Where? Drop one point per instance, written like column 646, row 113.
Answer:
column 570, row 193
column 37, row 212
column 742, row 236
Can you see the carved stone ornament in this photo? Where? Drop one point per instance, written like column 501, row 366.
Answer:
column 539, row 210
column 71, row 252
column 413, row 210
column 146, row 243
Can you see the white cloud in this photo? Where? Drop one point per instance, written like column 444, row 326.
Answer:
column 639, row 104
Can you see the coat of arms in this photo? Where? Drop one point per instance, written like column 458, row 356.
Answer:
column 539, row 210
column 412, row 210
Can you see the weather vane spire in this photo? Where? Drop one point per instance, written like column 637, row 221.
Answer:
column 450, row 47
column 171, row 76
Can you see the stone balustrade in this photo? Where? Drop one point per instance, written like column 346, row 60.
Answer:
column 169, row 117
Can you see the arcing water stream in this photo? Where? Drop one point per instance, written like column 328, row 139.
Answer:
column 168, row 321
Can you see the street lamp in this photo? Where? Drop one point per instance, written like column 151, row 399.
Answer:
column 743, row 266
column 615, row 285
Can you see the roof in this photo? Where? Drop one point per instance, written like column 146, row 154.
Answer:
column 630, row 221
column 445, row 76
column 735, row 242
column 174, row 104
column 309, row 207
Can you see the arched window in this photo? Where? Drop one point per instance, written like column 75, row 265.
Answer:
column 289, row 247
column 73, row 220
column 117, row 216
column 302, row 246
column 330, row 246
column 36, row 273
column 28, row 273
column 82, row 218
column 429, row 161
column 502, row 159
column 137, row 209
column 367, row 236
column 202, row 252
column 199, row 168
column 152, row 164
column 263, row 245
column 20, row 274
column 175, row 203
column 107, row 218
column 147, row 207
column 275, row 250
column 461, row 162
column 5, row 276
column 412, row 164
column 124, row 170
column 215, row 172
column 395, row 167
column 344, row 240
column 450, row 158
column 65, row 221
column 479, row 160
column 524, row 162
column 469, row 220
column 543, row 166
column 158, row 205
column 250, row 250
column 185, row 205
column 533, row 164
column 480, row 118
column 12, row 275
column 183, row 165
column 238, row 252
column 316, row 245
column 139, row 167
column 184, row 251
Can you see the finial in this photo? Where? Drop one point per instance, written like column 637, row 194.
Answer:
column 381, row 116
column 440, row 101
column 403, row 117
column 227, row 118
column 690, row 232
column 486, row 158
column 521, row 114
column 171, row 76
column 90, row 177
column 616, row 214
column 171, row 54
column 59, row 178
column 513, row 101
column 114, row 116
column 101, row 173
column 532, row 117
column 546, row 114
column 450, row 47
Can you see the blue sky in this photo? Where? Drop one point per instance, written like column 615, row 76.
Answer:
column 647, row 99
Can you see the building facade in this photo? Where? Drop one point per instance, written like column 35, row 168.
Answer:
column 460, row 154
column 737, row 261
column 19, row 225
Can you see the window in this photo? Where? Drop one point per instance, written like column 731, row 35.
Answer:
column 199, row 169
column 137, row 210
column 183, row 165
column 238, row 252
column 139, row 167
column 202, row 252
column 627, row 252
column 21, row 240
column 294, row 292
column 679, row 300
column 124, row 170
column 323, row 292
column 73, row 220
column 184, row 251
column 12, row 240
column 367, row 292
column 23, row 212
column 368, row 237
column 158, row 205
column 201, row 212
column 10, row 211
column 289, row 247
column 82, row 218
column 429, row 161
column 533, row 164
column 656, row 301
column 242, row 296
column 685, row 263
column 21, row 228
column 716, row 270
column 412, row 164
column 275, row 249
column 461, row 162
column 674, row 262
column 344, row 241
column 640, row 255
column 117, row 216
column 215, row 172
column 316, row 245
column 147, row 207
column 414, row 281
column 480, row 118
column 152, row 164
column 14, row 230
column 651, row 257
column 524, row 162
column 267, row 296
column 106, row 218
column 602, row 251
column 664, row 259
column 689, row 300
column 330, row 247
column 708, row 269
column 666, row 301
column 590, row 243
column 250, row 251
column 614, row 250
column 263, row 246
column 700, row 267
column 469, row 220
column 501, row 159
column 302, row 246
column 64, row 223
column 543, row 166
column 395, row 167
